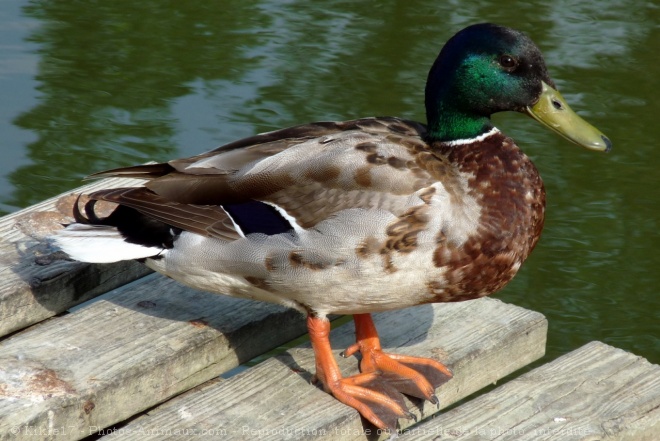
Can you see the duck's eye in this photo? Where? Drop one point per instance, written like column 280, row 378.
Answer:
column 508, row 62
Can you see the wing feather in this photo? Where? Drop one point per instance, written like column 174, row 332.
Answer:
column 210, row 221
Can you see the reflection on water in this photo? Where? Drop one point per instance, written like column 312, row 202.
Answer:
column 124, row 82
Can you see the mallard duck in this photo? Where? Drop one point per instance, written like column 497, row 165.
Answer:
column 355, row 217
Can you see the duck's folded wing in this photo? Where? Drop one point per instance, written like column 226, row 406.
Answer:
column 307, row 173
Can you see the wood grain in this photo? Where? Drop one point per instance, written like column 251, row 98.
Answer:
column 596, row 392
column 37, row 281
column 481, row 341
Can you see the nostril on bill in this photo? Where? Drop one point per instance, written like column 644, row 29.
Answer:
column 608, row 143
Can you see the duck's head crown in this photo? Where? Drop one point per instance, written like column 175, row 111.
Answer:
column 483, row 69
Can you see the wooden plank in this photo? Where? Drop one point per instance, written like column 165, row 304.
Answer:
column 38, row 282
column 481, row 341
column 596, row 392
column 130, row 350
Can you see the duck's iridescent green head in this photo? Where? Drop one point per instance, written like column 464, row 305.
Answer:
column 485, row 69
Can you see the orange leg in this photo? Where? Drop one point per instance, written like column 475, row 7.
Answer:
column 382, row 406
column 376, row 392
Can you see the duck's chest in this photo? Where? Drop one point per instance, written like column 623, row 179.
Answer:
column 496, row 206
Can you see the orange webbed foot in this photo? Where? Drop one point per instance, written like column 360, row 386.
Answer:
column 376, row 400
column 414, row 376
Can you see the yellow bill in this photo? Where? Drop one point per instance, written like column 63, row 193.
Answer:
column 552, row 111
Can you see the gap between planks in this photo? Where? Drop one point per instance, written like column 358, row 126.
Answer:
column 135, row 348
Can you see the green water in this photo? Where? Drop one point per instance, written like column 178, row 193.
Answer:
column 87, row 86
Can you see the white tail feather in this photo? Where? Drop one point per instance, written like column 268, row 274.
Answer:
column 99, row 244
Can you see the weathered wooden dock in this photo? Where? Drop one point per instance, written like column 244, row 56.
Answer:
column 143, row 361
